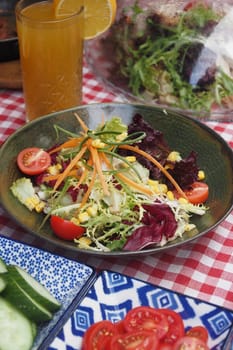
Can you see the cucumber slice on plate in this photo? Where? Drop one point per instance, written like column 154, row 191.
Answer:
column 2, row 282
column 31, row 308
column 16, row 331
column 3, row 267
column 3, row 270
column 33, row 288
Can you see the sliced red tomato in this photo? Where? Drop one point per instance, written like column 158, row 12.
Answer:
column 65, row 229
column 190, row 343
column 165, row 346
column 99, row 335
column 120, row 327
column 175, row 331
column 146, row 318
column 197, row 193
column 33, row 161
column 143, row 340
column 199, row 332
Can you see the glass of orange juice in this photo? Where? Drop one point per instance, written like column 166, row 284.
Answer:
column 51, row 56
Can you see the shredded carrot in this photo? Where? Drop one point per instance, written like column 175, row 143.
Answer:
column 125, row 179
column 48, row 177
column 82, row 178
column 90, row 187
column 136, row 185
column 156, row 163
column 73, row 162
column 96, row 159
column 105, row 160
column 81, row 122
column 73, row 173
column 84, row 174
column 68, row 144
column 98, row 166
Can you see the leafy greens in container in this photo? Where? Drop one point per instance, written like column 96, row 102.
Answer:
column 184, row 61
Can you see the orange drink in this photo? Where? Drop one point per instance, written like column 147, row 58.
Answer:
column 51, row 55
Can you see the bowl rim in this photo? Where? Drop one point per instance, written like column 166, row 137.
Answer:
column 126, row 254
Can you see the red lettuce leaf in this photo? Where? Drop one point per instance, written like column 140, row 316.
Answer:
column 158, row 221
column 185, row 172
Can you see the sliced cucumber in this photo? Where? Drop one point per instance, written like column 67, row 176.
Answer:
column 3, row 270
column 16, row 295
column 2, row 282
column 16, row 331
column 33, row 288
column 3, row 267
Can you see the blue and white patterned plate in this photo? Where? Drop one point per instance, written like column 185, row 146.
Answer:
column 113, row 295
column 67, row 280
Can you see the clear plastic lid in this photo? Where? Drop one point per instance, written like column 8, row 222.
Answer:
column 176, row 54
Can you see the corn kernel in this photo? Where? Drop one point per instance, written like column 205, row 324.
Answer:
column 163, row 188
column 85, row 241
column 75, row 221
column 39, row 207
column 170, row 195
column 131, row 159
column 174, row 156
column 153, row 182
column 189, row 227
column 155, row 187
column 54, row 169
column 97, row 143
column 92, row 211
column 201, row 175
column 83, row 217
column 182, row 200
column 32, row 201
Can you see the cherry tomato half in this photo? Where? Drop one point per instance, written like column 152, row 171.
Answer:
column 175, row 331
column 120, row 327
column 65, row 229
column 190, row 343
column 198, row 332
column 146, row 318
column 143, row 340
column 98, row 335
column 197, row 193
column 33, row 161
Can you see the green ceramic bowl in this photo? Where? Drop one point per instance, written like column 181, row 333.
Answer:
column 183, row 134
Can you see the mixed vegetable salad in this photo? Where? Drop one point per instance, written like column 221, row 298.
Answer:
column 146, row 328
column 183, row 61
column 114, row 188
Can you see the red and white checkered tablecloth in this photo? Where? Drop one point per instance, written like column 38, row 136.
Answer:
column 203, row 269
